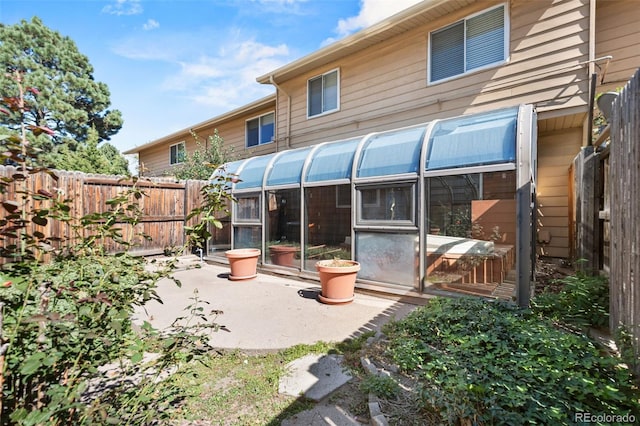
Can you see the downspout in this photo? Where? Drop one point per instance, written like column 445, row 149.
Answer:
column 592, row 69
column 287, row 136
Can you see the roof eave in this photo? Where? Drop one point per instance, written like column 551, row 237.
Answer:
column 256, row 105
column 346, row 44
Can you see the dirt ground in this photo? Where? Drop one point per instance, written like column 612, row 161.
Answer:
column 549, row 273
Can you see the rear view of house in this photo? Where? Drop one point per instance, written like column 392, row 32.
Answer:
column 433, row 147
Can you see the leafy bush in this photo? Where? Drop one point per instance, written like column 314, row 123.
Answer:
column 583, row 301
column 491, row 362
column 382, row 386
column 202, row 162
column 64, row 321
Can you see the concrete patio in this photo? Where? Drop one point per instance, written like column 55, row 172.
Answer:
column 268, row 312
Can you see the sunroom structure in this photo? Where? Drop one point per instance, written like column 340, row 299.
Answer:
column 444, row 206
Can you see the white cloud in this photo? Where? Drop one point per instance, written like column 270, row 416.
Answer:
column 228, row 79
column 123, row 7
column 371, row 12
column 204, row 69
column 151, row 24
column 155, row 46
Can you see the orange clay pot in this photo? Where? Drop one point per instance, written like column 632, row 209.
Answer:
column 243, row 263
column 338, row 280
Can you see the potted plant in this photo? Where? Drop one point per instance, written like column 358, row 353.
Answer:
column 337, row 280
column 215, row 199
column 243, row 263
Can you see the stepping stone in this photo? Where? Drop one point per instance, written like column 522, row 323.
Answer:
column 314, row 376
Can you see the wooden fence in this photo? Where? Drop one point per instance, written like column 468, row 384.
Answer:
column 165, row 205
column 624, row 185
column 606, row 179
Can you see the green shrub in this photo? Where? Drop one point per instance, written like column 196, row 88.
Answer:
column 382, row 386
column 491, row 362
column 65, row 320
column 583, row 301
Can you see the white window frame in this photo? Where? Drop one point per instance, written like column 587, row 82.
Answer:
column 178, row 160
column 361, row 204
column 506, row 30
column 337, row 108
column 259, row 118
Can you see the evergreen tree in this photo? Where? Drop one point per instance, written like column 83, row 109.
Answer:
column 91, row 157
column 64, row 98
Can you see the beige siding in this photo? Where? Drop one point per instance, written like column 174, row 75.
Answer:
column 154, row 160
column 618, row 35
column 385, row 86
column 556, row 151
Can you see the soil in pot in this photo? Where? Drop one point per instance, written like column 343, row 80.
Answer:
column 338, row 280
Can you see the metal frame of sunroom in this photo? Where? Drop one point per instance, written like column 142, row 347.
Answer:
column 383, row 159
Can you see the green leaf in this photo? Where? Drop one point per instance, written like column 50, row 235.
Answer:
column 38, row 220
column 32, row 364
column 10, row 205
column 136, row 357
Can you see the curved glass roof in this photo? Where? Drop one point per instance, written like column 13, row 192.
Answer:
column 472, row 140
column 287, row 167
column 332, row 161
column 392, row 153
column 232, row 168
column 252, row 172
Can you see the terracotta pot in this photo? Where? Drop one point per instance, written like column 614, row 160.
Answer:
column 282, row 255
column 243, row 263
column 338, row 280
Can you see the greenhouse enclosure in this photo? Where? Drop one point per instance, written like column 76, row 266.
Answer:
column 446, row 206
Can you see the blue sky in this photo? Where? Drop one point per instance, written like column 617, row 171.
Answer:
column 170, row 64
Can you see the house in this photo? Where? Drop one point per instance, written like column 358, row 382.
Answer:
column 437, row 60
column 158, row 157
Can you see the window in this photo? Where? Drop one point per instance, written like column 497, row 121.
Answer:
column 473, row 43
column 177, row 153
column 343, row 196
column 260, row 130
column 247, row 208
column 387, row 204
column 323, row 94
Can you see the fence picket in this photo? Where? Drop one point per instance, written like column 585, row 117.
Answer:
column 164, row 206
column 624, row 181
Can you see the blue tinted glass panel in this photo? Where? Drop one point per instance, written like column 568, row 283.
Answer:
column 232, row 168
column 488, row 138
column 392, row 153
column 227, row 169
column 332, row 161
column 287, row 168
column 252, row 173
